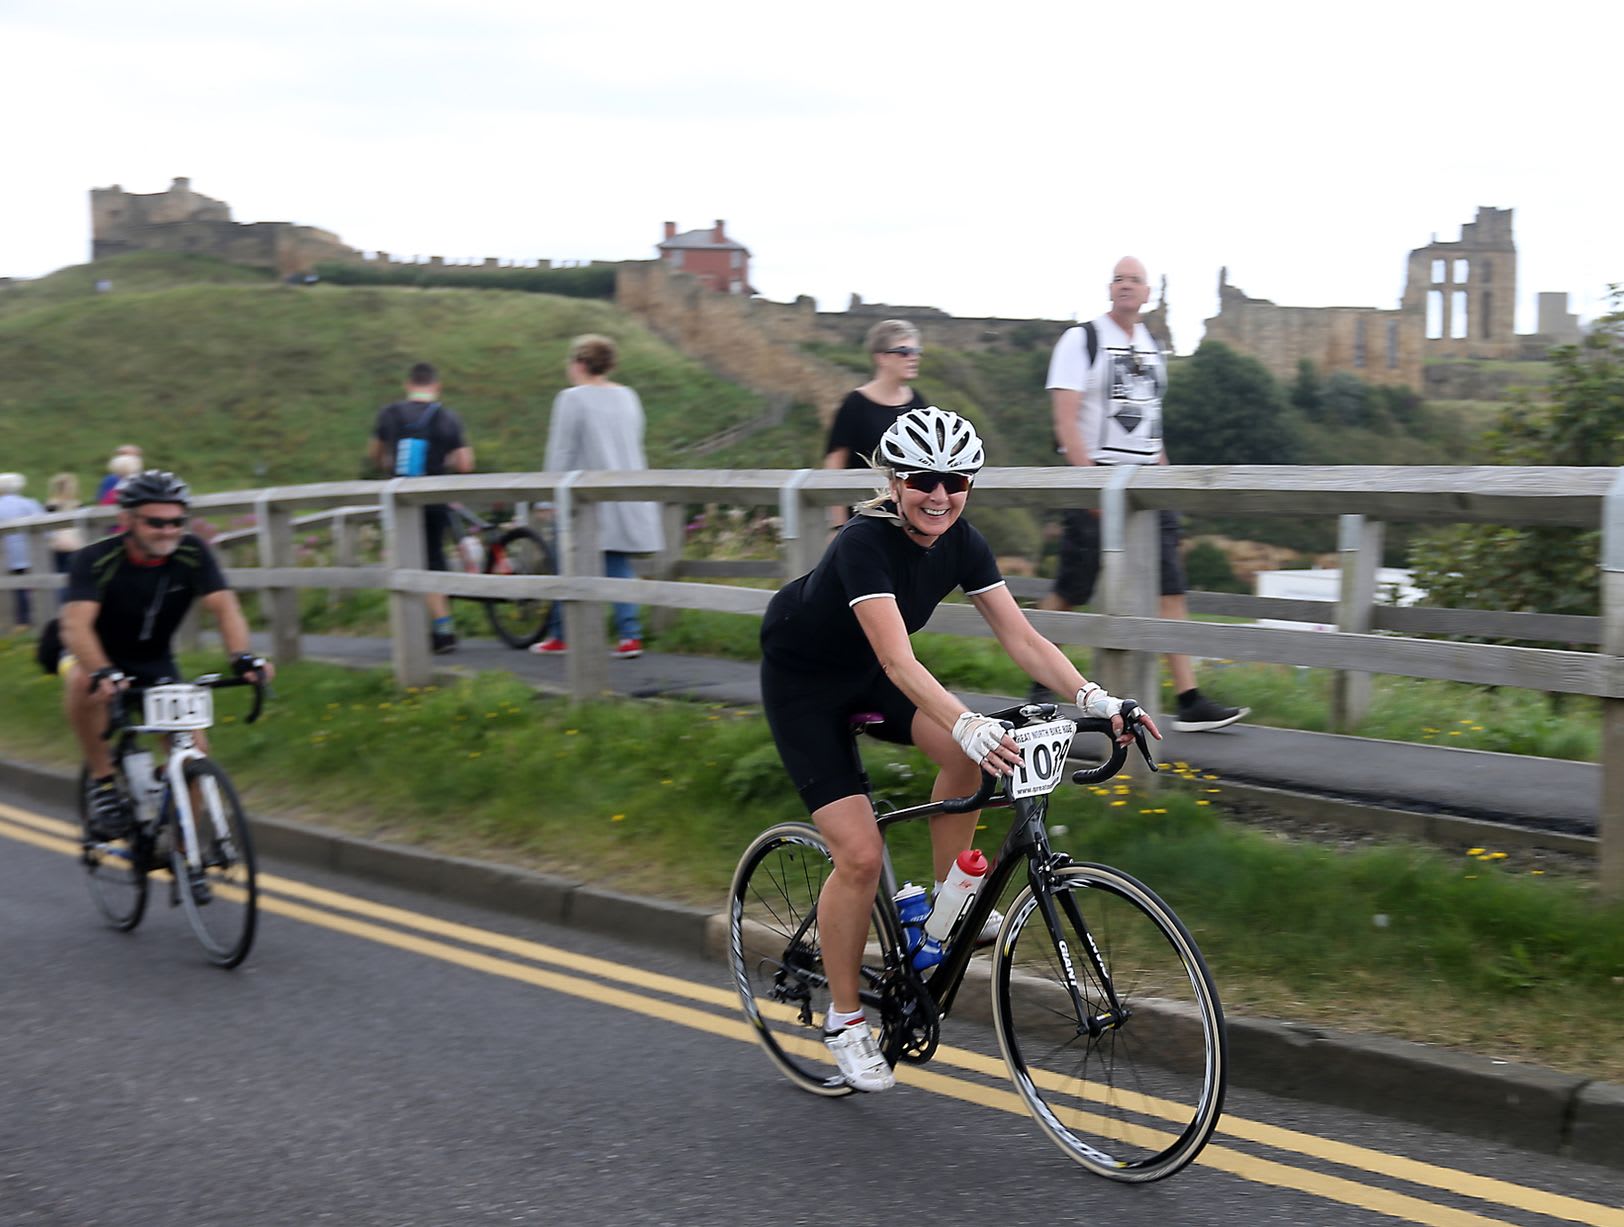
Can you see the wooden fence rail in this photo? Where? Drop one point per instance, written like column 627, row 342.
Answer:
column 1370, row 637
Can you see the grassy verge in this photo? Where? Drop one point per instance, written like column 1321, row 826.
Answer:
column 661, row 797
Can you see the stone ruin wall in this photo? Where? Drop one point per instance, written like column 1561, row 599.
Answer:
column 1466, row 287
column 758, row 343
column 186, row 222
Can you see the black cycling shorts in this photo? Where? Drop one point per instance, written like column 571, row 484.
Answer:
column 1079, row 567
column 809, row 721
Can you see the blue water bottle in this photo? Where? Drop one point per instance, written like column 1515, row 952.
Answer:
column 913, row 906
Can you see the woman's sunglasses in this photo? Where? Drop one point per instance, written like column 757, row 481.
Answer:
column 954, row 483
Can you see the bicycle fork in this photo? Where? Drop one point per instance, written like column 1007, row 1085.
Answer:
column 1094, row 1025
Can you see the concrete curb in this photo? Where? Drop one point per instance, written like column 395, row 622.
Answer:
column 1523, row 1105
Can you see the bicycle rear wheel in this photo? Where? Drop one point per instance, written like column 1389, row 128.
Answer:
column 221, row 892
column 1134, row 1096
column 519, row 551
column 116, row 869
column 777, row 960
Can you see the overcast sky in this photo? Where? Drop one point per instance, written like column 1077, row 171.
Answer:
column 989, row 159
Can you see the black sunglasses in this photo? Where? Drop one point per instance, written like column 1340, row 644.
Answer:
column 163, row 521
column 953, row 483
column 903, row 351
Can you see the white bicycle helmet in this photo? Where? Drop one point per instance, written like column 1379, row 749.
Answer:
column 934, row 440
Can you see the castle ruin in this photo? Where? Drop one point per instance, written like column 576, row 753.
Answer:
column 181, row 220
column 1459, row 305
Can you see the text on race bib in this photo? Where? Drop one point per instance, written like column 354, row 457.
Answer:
column 177, row 707
column 1043, row 757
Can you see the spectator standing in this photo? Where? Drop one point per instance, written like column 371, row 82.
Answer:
column 434, row 445
column 126, row 461
column 14, row 504
column 1106, row 381
column 868, row 411
column 598, row 424
column 62, row 494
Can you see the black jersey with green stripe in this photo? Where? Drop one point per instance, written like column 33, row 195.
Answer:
column 141, row 605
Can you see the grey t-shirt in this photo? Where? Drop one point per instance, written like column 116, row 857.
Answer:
column 600, row 427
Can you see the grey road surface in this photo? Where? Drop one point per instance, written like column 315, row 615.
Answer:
column 360, row 1069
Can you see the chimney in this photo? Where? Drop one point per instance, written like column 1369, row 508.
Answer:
column 670, row 231
column 716, row 235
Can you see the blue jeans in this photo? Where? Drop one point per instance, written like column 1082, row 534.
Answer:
column 628, row 625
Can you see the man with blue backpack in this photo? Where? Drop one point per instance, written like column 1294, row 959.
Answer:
column 420, row 437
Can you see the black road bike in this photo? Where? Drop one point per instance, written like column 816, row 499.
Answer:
column 188, row 820
column 504, row 547
column 1105, row 1012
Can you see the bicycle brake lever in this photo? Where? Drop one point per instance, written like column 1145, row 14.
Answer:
column 1132, row 719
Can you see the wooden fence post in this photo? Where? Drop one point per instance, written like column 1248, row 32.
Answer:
column 273, row 531
column 803, row 529
column 405, row 550
column 1129, row 585
column 1610, row 810
column 587, row 665
column 1359, row 547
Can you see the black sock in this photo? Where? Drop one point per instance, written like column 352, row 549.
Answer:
column 1189, row 697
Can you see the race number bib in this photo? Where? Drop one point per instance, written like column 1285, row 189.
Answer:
column 1043, row 757
column 177, row 707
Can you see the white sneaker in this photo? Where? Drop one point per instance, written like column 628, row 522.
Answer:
column 989, row 931
column 858, row 1056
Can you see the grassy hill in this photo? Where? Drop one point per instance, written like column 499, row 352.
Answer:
column 235, row 379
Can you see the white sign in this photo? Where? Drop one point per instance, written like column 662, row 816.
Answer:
column 174, row 708
column 1393, row 587
column 1043, row 757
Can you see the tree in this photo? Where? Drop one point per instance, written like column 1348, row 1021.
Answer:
column 1308, row 391
column 1550, row 570
column 1224, row 408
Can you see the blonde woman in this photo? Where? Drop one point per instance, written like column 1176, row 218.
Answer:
column 867, row 411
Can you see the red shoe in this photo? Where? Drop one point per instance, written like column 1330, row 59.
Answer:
column 628, row 648
column 550, row 647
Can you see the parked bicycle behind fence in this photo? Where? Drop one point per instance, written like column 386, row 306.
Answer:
column 499, row 546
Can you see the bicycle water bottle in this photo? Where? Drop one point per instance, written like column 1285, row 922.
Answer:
column 143, row 785
column 912, row 907
column 958, row 892
column 473, row 552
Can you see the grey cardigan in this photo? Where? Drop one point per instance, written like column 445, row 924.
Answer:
column 601, row 428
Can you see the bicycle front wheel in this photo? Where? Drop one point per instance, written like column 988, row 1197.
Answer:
column 777, row 959
column 1132, row 1084
column 519, row 551
column 116, row 869
column 215, row 877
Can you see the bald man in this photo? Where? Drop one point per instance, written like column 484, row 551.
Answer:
column 1106, row 381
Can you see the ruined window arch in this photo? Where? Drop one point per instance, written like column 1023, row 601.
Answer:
column 1457, row 316
column 1435, row 315
column 1462, row 268
column 1484, row 317
column 1392, row 345
column 1437, row 272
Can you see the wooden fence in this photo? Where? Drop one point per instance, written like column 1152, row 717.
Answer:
column 1124, row 630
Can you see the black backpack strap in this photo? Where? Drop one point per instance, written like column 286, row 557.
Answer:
column 1091, row 343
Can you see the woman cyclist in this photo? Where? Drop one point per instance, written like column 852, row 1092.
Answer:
column 835, row 642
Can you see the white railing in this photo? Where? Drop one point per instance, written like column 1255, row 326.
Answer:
column 1370, row 638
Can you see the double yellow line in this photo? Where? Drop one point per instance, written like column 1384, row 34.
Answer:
column 715, row 1010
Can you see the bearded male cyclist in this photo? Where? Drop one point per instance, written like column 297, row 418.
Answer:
column 125, row 597
column 835, row 643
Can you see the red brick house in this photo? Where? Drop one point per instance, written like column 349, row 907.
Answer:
column 720, row 263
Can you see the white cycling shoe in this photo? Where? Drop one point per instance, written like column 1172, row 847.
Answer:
column 859, row 1059
column 989, row 931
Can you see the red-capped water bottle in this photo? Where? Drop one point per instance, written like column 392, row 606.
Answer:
column 958, row 892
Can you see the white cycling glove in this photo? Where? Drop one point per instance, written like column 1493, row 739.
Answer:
column 1093, row 701
column 978, row 736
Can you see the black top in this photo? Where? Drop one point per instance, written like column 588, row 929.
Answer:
column 141, row 605
column 859, row 423
column 811, row 626
column 403, row 417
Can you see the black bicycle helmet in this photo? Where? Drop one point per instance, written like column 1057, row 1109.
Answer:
column 153, row 486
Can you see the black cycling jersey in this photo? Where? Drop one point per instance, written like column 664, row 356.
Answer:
column 817, row 666
column 811, row 624
column 141, row 605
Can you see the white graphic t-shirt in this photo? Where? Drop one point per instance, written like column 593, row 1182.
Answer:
column 1120, row 416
